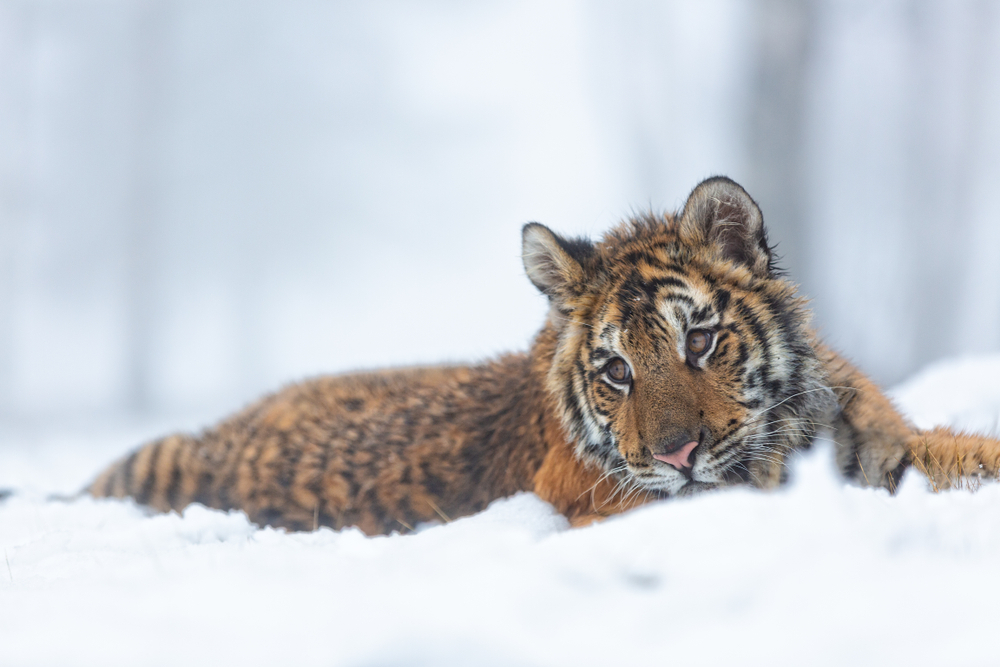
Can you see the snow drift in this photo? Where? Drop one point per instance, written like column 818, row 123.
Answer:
column 817, row 573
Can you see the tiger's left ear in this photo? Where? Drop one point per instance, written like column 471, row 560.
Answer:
column 720, row 213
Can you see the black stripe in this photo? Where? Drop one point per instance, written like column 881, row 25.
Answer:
column 743, row 356
column 582, row 374
column 316, row 484
column 202, row 493
column 786, row 318
column 655, row 321
column 597, row 355
column 721, row 300
column 673, row 297
column 251, row 464
column 681, row 269
column 747, row 314
column 576, row 415
column 669, row 281
column 682, row 316
column 128, row 472
column 646, row 255
column 146, row 490
column 702, row 314
column 853, row 465
column 175, row 476
column 626, row 312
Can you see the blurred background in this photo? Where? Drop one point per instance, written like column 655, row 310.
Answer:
column 201, row 200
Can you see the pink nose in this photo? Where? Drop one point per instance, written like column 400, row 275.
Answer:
column 679, row 459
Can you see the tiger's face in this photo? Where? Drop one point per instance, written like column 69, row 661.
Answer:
column 683, row 361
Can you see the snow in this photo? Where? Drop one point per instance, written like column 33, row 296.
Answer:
column 817, row 573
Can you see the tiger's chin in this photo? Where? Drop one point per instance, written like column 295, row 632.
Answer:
column 694, row 487
column 680, row 488
column 673, row 485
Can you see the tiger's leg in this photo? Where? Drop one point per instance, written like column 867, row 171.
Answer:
column 873, row 439
column 955, row 459
column 875, row 443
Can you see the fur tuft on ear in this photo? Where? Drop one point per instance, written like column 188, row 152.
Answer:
column 719, row 212
column 553, row 264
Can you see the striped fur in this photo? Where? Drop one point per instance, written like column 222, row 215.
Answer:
column 386, row 451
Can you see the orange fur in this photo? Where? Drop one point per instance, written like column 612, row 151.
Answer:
column 389, row 450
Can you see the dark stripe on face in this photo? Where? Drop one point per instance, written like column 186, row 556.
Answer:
column 580, row 407
column 634, row 257
column 645, row 255
column 589, row 381
column 604, row 392
column 744, row 354
column 658, row 331
column 746, row 313
column 787, row 321
column 576, row 415
column 673, row 297
column 626, row 308
column 597, row 355
column 721, row 300
column 669, row 281
column 702, row 314
column 655, row 321
column 783, row 317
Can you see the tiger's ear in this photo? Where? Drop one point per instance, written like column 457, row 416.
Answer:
column 721, row 213
column 554, row 264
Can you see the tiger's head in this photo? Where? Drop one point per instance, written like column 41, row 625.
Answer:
column 682, row 359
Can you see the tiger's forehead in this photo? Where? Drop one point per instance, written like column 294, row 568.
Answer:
column 652, row 300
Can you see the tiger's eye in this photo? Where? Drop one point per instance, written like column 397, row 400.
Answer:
column 698, row 342
column 618, row 370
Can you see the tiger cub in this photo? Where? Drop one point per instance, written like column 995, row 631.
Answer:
column 673, row 359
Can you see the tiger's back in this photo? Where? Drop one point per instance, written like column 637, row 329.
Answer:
column 381, row 451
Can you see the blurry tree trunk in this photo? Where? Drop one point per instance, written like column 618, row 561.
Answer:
column 776, row 174
column 17, row 23
column 153, row 22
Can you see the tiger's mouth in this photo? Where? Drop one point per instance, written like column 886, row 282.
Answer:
column 712, row 463
column 707, row 469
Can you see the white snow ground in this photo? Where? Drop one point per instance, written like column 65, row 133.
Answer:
column 818, row 573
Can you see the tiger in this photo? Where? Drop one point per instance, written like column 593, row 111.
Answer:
column 675, row 358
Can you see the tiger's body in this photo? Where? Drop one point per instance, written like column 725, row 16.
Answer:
column 674, row 359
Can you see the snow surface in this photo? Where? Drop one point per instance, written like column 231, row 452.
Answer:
column 817, row 573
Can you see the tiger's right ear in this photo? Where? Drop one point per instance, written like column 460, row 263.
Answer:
column 554, row 264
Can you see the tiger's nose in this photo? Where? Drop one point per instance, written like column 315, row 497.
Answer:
column 678, row 452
